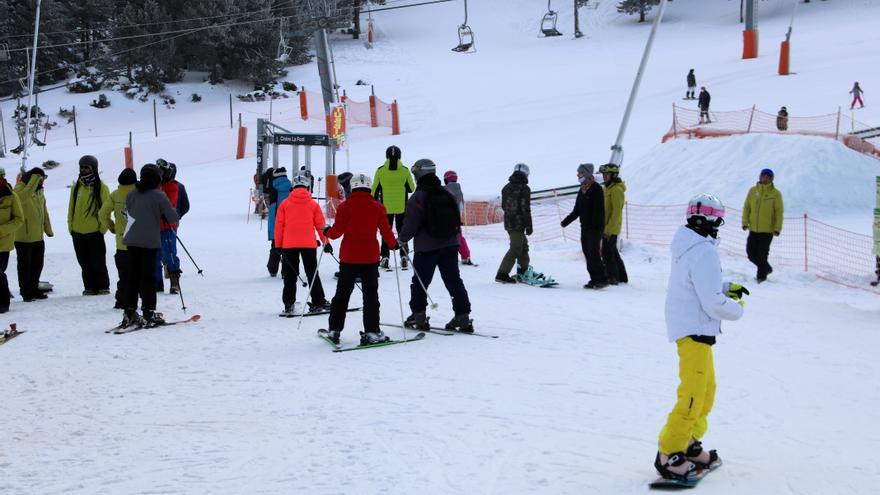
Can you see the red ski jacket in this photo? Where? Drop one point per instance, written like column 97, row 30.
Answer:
column 171, row 190
column 357, row 220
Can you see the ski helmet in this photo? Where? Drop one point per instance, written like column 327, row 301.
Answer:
column 300, row 180
column 392, row 152
column 361, row 181
column 705, row 213
column 521, row 167
column 450, row 176
column 768, row 172
column 423, row 167
column 609, row 168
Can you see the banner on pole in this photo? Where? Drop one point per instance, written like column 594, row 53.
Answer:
column 337, row 124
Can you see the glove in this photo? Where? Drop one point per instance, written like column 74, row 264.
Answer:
column 776, row 234
column 326, row 228
column 736, row 292
column 396, row 245
column 328, row 248
column 562, row 224
column 528, row 231
column 745, row 227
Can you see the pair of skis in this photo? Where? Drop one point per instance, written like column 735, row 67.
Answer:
column 10, row 333
column 119, row 330
column 314, row 313
column 325, row 336
column 439, row 330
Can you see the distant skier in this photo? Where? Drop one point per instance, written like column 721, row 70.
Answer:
column 589, row 207
column 516, row 202
column 762, row 217
column 857, row 96
column 279, row 188
column 357, row 220
column 114, row 218
column 450, row 182
column 11, row 220
column 782, row 119
column 692, row 86
column 392, row 185
column 434, row 223
column 30, row 249
column 696, row 301
column 298, row 220
column 87, row 195
column 703, row 103
column 615, row 199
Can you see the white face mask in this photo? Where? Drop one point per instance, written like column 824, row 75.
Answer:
column 582, row 180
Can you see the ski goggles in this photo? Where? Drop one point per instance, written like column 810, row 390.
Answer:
column 701, row 209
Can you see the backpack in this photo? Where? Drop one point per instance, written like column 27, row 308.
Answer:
column 442, row 218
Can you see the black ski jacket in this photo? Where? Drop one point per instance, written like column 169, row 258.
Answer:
column 589, row 207
column 692, row 80
column 705, row 97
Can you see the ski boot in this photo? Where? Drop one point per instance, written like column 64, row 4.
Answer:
column 131, row 318
column 418, row 321
column 704, row 459
column 153, row 318
column 461, row 323
column 677, row 467
column 175, row 283
column 333, row 335
column 374, row 337
column 317, row 307
column 288, row 310
column 504, row 278
column 383, row 264
column 404, row 263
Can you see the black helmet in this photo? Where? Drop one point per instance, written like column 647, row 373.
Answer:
column 393, row 152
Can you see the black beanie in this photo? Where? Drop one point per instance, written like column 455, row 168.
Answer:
column 127, row 177
column 150, row 177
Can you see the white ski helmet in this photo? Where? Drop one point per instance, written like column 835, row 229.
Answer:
column 300, row 180
column 521, row 167
column 706, row 207
column 361, row 181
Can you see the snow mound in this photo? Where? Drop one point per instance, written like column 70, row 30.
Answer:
column 814, row 174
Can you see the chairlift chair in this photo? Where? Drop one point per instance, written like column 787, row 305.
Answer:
column 4, row 52
column 465, row 35
column 284, row 50
column 548, row 23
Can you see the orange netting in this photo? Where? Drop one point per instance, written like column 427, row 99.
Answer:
column 686, row 123
column 378, row 114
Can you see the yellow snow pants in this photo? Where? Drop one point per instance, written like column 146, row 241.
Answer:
column 696, row 394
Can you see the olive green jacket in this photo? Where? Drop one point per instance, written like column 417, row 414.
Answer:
column 763, row 209
column 116, row 207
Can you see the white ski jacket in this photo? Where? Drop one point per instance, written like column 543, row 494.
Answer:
column 695, row 297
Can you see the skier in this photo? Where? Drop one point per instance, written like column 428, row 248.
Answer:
column 857, row 96
column 344, row 181
column 168, row 247
column 434, row 223
column 762, row 217
column 30, row 249
column 392, row 185
column 516, row 201
column 11, row 219
column 782, row 119
column 279, row 188
column 692, row 86
column 615, row 199
column 298, row 219
column 589, row 207
column 113, row 218
column 450, row 181
column 357, row 220
column 87, row 195
column 703, row 103
column 147, row 207
column 696, row 302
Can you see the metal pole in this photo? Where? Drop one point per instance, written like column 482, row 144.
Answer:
column 837, row 128
column 270, row 106
column 791, row 23
column 75, row 132
column 750, row 15
column 328, row 81
column 230, row 110
column 33, row 67
column 617, row 149
column 2, row 135
column 155, row 121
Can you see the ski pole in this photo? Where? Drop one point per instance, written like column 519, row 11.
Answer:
column 400, row 298
column 309, row 295
column 180, row 293
column 187, row 253
column 416, row 272
column 304, row 283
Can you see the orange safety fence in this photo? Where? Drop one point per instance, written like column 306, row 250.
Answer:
column 373, row 113
column 805, row 244
column 686, row 123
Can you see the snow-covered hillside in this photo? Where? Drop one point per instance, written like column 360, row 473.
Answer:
column 570, row 398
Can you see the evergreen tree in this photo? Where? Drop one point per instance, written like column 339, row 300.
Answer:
column 636, row 6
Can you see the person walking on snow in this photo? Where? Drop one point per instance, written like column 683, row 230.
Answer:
column 297, row 221
column 279, row 189
column 703, row 103
column 11, row 219
column 114, row 218
column 516, row 202
column 146, row 207
column 30, row 249
column 392, row 185
column 857, row 96
column 696, row 301
column 615, row 199
column 782, row 119
column 358, row 218
column 589, row 207
column 692, row 86
column 450, row 181
column 762, row 217
column 434, row 222
column 87, row 196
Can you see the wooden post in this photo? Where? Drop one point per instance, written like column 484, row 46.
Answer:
column 230, row 110
column 751, row 117
column 75, row 134
column 155, row 121
column 242, row 142
column 395, row 119
column 674, row 127
column 837, row 128
column 303, row 104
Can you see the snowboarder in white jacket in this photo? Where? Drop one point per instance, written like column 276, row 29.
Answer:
column 696, row 301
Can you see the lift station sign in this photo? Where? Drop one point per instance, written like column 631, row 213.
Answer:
column 302, row 139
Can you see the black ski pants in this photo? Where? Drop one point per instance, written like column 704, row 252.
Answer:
column 614, row 266
column 758, row 250
column 142, row 279
column 91, row 253
column 290, row 270
column 396, row 221
column 123, row 269
column 348, row 274
column 274, row 259
column 4, row 282
column 445, row 260
column 590, row 241
column 30, row 257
